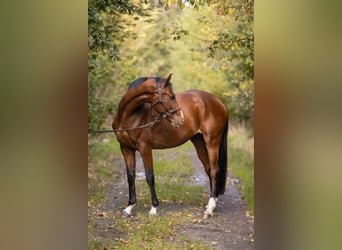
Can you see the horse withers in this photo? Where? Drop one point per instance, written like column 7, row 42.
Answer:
column 151, row 116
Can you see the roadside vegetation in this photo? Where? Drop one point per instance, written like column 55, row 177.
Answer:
column 241, row 161
column 206, row 44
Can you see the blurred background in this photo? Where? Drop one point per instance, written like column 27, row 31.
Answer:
column 207, row 45
column 45, row 115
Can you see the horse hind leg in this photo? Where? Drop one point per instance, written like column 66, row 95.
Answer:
column 213, row 155
column 217, row 152
column 203, row 155
column 212, row 176
column 202, row 151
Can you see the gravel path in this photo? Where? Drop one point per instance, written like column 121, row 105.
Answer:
column 229, row 228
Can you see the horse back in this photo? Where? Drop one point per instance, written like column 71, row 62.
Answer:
column 202, row 106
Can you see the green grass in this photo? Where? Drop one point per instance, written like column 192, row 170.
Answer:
column 180, row 166
column 172, row 174
column 96, row 244
column 172, row 182
column 101, row 153
column 159, row 232
column 102, row 146
column 243, row 168
column 241, row 162
column 172, row 185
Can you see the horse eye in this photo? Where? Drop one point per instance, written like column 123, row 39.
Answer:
column 172, row 97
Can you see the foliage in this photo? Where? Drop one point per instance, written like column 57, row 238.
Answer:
column 234, row 49
column 208, row 45
column 106, row 31
column 106, row 26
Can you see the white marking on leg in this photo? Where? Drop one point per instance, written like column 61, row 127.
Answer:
column 128, row 210
column 210, row 207
column 153, row 211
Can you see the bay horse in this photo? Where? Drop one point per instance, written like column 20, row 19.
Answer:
column 151, row 116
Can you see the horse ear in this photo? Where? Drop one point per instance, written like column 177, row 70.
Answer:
column 168, row 78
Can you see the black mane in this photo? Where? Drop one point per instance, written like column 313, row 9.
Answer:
column 136, row 83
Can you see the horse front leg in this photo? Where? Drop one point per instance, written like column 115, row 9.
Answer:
column 146, row 155
column 129, row 156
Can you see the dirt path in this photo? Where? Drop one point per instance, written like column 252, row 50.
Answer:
column 229, row 228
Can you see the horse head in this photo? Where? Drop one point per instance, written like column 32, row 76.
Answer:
column 165, row 104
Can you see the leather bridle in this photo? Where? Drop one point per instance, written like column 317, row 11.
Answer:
column 159, row 100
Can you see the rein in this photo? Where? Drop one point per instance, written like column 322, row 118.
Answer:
column 147, row 125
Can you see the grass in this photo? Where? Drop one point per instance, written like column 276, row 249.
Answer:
column 172, row 186
column 172, row 181
column 101, row 154
column 157, row 233
column 102, row 146
column 96, row 244
column 241, row 161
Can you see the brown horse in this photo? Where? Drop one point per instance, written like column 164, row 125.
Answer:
column 151, row 116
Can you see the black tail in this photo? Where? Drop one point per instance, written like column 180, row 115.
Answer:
column 222, row 163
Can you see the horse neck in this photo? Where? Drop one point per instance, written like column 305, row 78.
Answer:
column 131, row 100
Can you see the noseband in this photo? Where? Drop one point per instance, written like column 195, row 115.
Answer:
column 167, row 113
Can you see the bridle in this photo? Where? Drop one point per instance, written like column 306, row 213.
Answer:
column 159, row 100
column 157, row 119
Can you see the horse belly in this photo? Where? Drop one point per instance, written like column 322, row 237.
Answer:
column 170, row 138
column 167, row 144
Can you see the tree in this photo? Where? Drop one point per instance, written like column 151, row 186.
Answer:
column 229, row 42
column 237, row 45
column 206, row 44
column 106, row 30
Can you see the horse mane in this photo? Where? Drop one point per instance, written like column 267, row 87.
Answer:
column 136, row 83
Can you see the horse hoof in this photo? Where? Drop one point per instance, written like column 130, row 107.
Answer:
column 125, row 214
column 153, row 211
column 206, row 216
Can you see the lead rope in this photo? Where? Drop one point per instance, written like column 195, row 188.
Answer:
column 147, row 125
